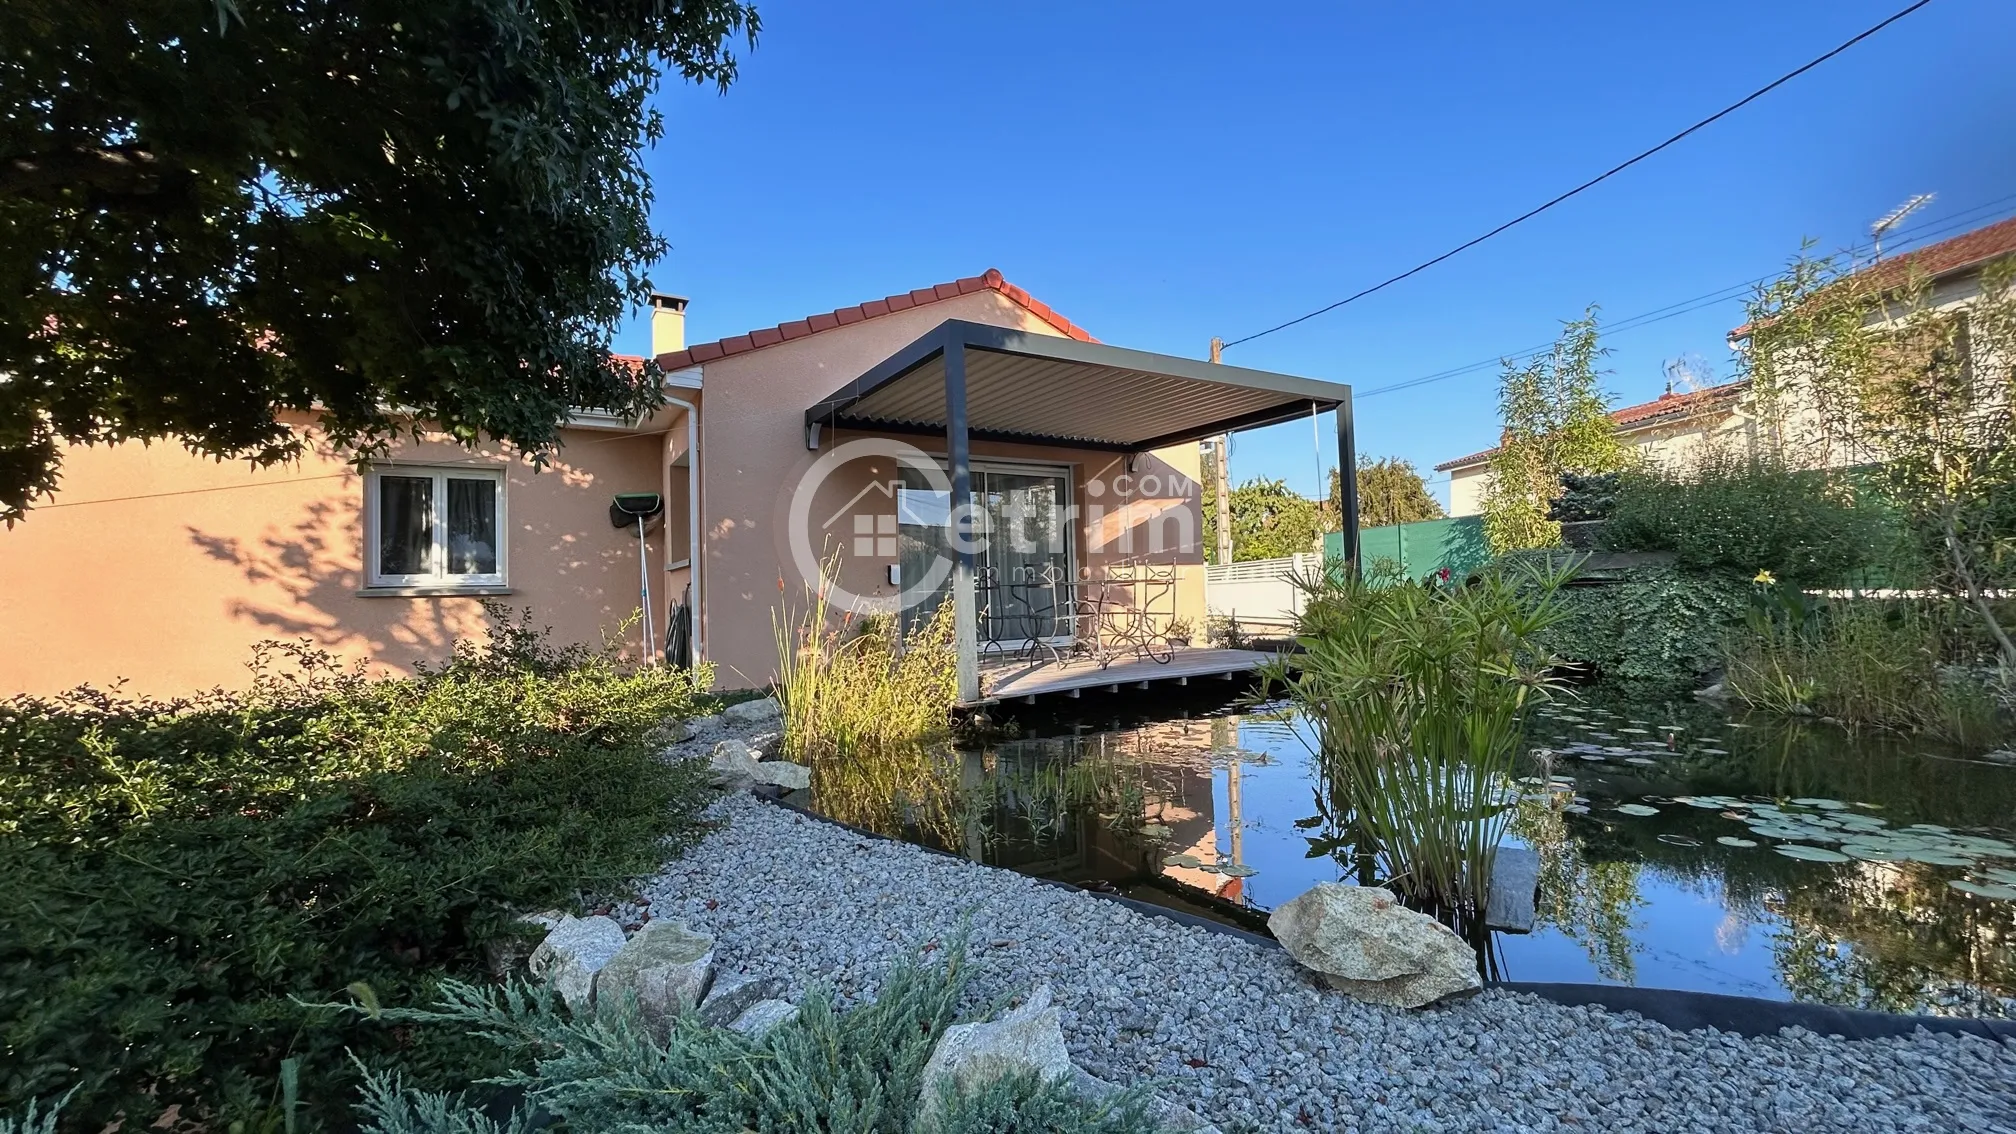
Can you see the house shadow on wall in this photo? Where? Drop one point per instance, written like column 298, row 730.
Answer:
column 303, row 576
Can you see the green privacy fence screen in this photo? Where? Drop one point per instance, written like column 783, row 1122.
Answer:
column 1420, row 550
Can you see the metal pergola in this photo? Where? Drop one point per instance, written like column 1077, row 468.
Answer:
column 966, row 381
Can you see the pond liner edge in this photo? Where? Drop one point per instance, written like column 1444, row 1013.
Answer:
column 1679, row 1009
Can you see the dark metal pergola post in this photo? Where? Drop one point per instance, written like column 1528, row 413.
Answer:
column 1347, row 481
column 966, row 638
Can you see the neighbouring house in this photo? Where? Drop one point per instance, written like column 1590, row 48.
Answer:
column 1674, row 426
column 1664, row 430
column 829, row 448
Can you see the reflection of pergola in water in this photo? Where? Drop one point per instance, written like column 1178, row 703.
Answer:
column 1189, row 752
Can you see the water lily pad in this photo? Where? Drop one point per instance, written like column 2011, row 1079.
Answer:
column 1823, row 804
column 1934, row 828
column 1938, row 858
column 2000, row 874
column 1209, row 867
column 1778, row 831
column 1869, row 852
column 1189, row 860
column 1636, row 809
column 1680, row 840
column 1809, row 854
column 1985, row 890
column 1733, row 841
column 1575, row 809
column 1638, row 731
column 1234, row 870
column 1641, row 761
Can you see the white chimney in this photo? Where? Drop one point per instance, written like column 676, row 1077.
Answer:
column 668, row 323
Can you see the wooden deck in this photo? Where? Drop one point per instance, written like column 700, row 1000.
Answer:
column 1004, row 679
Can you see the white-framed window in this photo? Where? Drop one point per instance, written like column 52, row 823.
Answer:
column 433, row 527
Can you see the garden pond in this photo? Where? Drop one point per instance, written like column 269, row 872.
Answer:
column 1679, row 847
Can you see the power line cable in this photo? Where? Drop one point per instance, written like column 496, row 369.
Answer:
column 1921, row 233
column 1746, row 100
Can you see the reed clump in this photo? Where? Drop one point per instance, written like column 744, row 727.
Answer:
column 1417, row 696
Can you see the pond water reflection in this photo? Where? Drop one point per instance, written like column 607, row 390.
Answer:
column 1216, row 811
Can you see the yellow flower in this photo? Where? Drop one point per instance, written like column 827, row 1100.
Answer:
column 1765, row 577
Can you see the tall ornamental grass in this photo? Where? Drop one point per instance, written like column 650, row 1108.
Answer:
column 1416, row 696
column 853, row 685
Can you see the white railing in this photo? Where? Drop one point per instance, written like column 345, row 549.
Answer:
column 1258, row 592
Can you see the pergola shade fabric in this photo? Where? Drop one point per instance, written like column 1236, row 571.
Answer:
column 1048, row 389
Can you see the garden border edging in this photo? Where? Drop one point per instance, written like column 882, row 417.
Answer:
column 1678, row 1009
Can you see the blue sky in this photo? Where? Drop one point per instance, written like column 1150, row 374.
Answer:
column 1165, row 172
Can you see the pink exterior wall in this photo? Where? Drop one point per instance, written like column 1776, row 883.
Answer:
column 753, row 456
column 165, row 569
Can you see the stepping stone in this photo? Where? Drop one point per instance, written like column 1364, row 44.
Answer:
column 1515, row 884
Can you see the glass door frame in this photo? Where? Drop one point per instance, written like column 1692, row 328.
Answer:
column 1026, row 466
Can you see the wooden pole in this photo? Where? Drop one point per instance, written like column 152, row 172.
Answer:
column 1221, row 450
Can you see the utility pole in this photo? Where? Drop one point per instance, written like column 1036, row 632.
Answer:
column 1221, row 460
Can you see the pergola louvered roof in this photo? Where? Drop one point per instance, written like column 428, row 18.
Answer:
column 1046, row 389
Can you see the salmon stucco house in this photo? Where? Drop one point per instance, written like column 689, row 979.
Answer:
column 835, row 443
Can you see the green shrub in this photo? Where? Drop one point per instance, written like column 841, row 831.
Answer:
column 858, row 1072
column 1740, row 517
column 177, row 872
column 1652, row 625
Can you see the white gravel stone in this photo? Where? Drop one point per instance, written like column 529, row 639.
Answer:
column 1237, row 1033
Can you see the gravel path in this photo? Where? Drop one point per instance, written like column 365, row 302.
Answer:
column 1238, row 1034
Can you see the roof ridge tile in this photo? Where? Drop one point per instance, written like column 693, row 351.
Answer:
column 991, row 279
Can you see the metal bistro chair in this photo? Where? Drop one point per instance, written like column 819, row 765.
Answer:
column 1128, row 612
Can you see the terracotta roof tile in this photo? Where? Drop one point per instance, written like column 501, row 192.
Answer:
column 1642, row 415
column 1968, row 250
column 847, row 316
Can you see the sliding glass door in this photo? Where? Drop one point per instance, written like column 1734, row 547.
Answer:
column 1024, row 554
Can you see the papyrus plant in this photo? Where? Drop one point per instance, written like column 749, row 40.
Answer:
column 1414, row 701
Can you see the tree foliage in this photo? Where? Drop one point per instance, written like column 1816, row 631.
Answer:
column 1556, row 420
column 1270, row 521
column 1871, row 368
column 1390, row 491
column 375, row 211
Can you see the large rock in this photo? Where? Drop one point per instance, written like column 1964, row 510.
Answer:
column 572, row 953
column 666, row 967
column 759, row 1018
column 1362, row 941
column 733, row 765
column 1028, row 1039
column 735, row 994
column 784, row 774
column 767, row 745
column 749, row 714
column 507, row 953
column 1515, row 883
